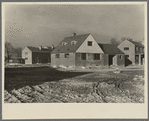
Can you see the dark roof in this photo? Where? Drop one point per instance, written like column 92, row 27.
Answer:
column 136, row 43
column 47, row 47
column 68, row 47
column 110, row 49
column 36, row 49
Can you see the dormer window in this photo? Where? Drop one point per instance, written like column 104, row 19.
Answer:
column 73, row 42
column 64, row 43
column 90, row 43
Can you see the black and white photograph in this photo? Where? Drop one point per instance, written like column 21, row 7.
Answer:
column 87, row 53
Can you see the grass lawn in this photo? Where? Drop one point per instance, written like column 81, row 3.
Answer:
column 16, row 78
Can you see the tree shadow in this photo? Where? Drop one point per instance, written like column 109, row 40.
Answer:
column 16, row 78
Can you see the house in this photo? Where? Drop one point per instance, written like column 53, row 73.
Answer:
column 34, row 55
column 114, row 55
column 79, row 51
column 134, row 52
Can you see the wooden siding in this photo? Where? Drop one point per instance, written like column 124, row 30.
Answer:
column 89, row 60
column 70, row 61
column 119, row 61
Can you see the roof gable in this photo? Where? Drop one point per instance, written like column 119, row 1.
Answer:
column 26, row 49
column 93, row 48
column 68, row 47
column 110, row 49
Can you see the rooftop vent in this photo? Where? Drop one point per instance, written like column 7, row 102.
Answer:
column 52, row 47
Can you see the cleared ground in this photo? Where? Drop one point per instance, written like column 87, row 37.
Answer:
column 48, row 85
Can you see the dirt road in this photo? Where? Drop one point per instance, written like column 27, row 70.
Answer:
column 97, row 87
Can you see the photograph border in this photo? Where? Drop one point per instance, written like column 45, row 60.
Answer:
column 2, row 71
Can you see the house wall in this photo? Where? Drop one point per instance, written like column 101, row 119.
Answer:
column 105, row 59
column 139, row 50
column 28, row 56
column 41, row 57
column 130, row 52
column 76, row 61
column 70, row 61
column 54, row 61
column 117, row 61
column 84, row 48
column 89, row 60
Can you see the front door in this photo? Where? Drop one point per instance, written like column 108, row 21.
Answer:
column 111, row 60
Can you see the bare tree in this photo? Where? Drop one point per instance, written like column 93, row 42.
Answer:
column 18, row 52
column 124, row 38
column 9, row 50
column 114, row 42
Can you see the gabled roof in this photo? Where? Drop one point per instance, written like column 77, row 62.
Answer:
column 136, row 43
column 68, row 47
column 110, row 49
column 36, row 49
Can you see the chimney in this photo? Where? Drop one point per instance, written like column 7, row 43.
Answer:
column 74, row 34
column 52, row 46
column 40, row 47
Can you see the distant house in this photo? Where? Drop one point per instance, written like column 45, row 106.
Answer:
column 134, row 52
column 80, row 50
column 34, row 55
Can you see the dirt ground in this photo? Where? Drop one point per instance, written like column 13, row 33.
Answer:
column 48, row 85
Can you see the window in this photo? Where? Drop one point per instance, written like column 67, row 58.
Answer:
column 56, row 55
column 83, row 56
column 140, row 49
column 137, row 48
column 66, row 55
column 90, row 43
column 126, row 48
column 26, row 58
column 64, row 43
column 26, row 53
column 120, row 56
column 73, row 42
column 96, row 56
column 127, row 56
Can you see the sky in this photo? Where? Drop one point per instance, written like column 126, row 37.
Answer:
column 46, row 25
